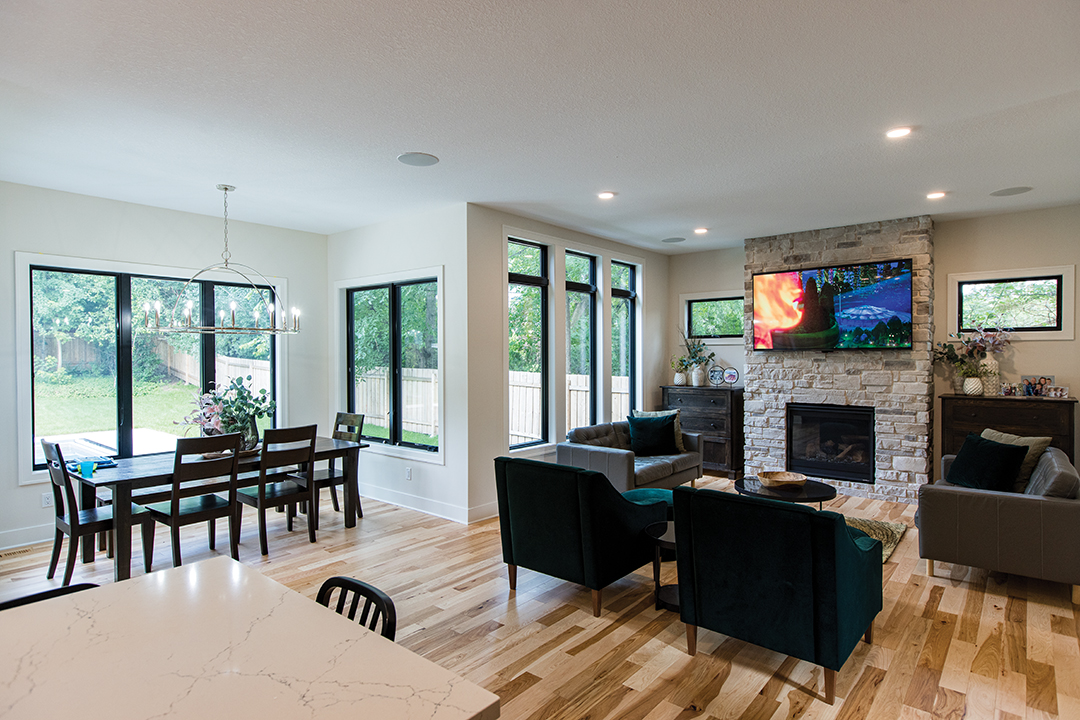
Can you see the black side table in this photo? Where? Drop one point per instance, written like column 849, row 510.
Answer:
column 812, row 492
column 663, row 535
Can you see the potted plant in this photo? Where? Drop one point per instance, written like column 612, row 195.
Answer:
column 232, row 408
column 680, row 366
column 695, row 359
column 973, row 374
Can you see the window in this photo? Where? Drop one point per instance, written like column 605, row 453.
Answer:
column 580, row 340
column 104, row 384
column 1026, row 304
column 623, row 351
column 528, row 345
column 714, row 317
column 394, row 361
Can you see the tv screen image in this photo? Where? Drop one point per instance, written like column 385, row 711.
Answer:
column 833, row 308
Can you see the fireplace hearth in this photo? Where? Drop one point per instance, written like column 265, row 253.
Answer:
column 831, row 441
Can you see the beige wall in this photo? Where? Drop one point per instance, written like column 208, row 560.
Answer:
column 1036, row 238
column 715, row 273
column 57, row 223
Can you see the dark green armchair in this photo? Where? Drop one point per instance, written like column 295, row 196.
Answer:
column 776, row 574
column 571, row 524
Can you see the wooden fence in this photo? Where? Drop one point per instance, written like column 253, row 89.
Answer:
column 525, row 403
column 185, row 367
column 420, row 399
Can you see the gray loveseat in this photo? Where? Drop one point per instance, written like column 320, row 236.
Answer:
column 1033, row 533
column 606, row 448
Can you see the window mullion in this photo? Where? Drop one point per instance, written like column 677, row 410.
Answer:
column 209, row 351
column 124, row 384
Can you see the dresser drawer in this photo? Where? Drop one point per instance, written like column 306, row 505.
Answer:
column 692, row 422
column 687, row 398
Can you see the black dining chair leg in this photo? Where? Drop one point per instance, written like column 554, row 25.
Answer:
column 263, row 547
column 234, row 535
column 55, row 553
column 174, row 531
column 73, row 552
column 334, row 499
column 211, row 534
column 311, row 518
column 148, row 543
column 102, row 538
column 110, row 546
column 313, row 509
column 290, row 513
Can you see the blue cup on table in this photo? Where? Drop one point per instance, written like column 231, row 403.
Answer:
column 86, row 468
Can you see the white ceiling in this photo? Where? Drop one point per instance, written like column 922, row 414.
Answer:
column 749, row 118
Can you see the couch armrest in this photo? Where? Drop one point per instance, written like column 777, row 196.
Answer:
column 692, row 442
column 946, row 463
column 1028, row 535
column 616, row 464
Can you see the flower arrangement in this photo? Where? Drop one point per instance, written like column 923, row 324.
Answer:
column 229, row 409
column 695, row 355
column 972, row 349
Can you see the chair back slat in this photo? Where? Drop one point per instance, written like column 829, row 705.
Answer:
column 64, row 502
column 378, row 607
column 348, row 426
column 283, row 447
column 190, row 465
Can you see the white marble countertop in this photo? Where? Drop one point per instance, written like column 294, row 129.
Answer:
column 214, row 639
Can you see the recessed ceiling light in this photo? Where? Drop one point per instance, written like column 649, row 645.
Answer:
column 701, row 231
column 1011, row 191
column 606, row 195
column 417, row 159
column 898, row 132
column 673, row 240
column 935, row 195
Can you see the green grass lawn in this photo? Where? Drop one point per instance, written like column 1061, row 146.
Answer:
column 89, row 404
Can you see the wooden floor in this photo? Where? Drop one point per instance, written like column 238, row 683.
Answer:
column 963, row 645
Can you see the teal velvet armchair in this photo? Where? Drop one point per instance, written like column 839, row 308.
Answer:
column 571, row 524
column 775, row 574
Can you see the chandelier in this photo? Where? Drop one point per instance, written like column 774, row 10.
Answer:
column 181, row 320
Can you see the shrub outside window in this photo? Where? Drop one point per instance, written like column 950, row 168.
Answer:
column 715, row 317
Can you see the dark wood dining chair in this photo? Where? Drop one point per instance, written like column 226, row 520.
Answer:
column 84, row 524
column 45, row 595
column 346, row 594
column 347, row 426
column 284, row 477
column 196, row 481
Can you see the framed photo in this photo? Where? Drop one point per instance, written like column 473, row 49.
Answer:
column 1036, row 385
column 1057, row 391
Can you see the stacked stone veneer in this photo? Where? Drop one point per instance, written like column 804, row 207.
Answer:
column 897, row 383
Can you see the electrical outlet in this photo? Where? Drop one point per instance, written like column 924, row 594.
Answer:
column 46, row 499
column 408, row 473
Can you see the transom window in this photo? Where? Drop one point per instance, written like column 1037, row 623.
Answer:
column 714, row 317
column 1031, row 304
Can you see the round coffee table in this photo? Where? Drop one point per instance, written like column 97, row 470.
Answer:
column 663, row 534
column 812, row 492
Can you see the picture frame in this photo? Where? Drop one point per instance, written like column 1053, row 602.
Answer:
column 1057, row 391
column 1036, row 385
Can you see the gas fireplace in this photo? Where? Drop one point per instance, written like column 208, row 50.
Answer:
column 831, row 441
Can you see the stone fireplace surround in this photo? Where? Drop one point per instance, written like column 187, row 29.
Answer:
column 898, row 384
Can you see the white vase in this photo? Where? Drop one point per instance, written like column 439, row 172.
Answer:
column 992, row 379
column 680, row 379
column 973, row 386
column 697, row 376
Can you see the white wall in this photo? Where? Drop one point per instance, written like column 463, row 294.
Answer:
column 1036, row 238
column 713, row 273
column 57, row 223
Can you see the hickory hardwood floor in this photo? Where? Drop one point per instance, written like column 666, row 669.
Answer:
column 964, row 644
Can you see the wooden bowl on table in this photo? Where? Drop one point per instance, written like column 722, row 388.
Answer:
column 778, row 478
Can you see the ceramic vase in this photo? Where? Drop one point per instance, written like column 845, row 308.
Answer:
column 680, row 379
column 992, row 379
column 973, row 386
column 697, row 376
column 957, row 383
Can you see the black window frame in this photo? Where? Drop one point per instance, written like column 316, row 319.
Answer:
column 630, row 295
column 690, row 317
column 125, row 401
column 590, row 288
column 541, row 282
column 395, row 429
column 1060, row 281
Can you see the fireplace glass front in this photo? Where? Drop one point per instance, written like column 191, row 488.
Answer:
column 831, row 441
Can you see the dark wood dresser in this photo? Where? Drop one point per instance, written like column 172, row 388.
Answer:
column 717, row 415
column 1027, row 416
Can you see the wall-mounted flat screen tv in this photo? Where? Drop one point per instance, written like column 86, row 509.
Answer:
column 834, row 308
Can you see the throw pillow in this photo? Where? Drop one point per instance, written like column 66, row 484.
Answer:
column 1035, row 445
column 652, row 435
column 986, row 465
column 662, row 413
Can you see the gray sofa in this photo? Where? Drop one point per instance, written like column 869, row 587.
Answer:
column 1033, row 533
column 606, row 448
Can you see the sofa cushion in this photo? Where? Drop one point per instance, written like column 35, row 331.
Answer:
column 1035, row 446
column 1054, row 476
column 986, row 465
column 652, row 435
column 648, row 496
column 678, row 426
column 648, row 470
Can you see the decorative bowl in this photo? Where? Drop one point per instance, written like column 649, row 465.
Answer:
column 774, row 478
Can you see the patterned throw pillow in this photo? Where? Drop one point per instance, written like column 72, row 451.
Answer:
column 661, row 413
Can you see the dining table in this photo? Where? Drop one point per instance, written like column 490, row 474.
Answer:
column 146, row 471
column 215, row 639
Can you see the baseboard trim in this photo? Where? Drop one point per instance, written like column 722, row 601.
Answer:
column 10, row 539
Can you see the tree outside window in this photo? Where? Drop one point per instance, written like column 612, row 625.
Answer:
column 715, row 318
column 1025, row 304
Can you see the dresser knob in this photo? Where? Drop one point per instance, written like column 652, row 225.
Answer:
column 713, row 402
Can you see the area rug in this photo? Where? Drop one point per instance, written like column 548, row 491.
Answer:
column 889, row 533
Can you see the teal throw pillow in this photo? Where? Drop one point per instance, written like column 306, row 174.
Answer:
column 652, row 435
column 986, row 465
